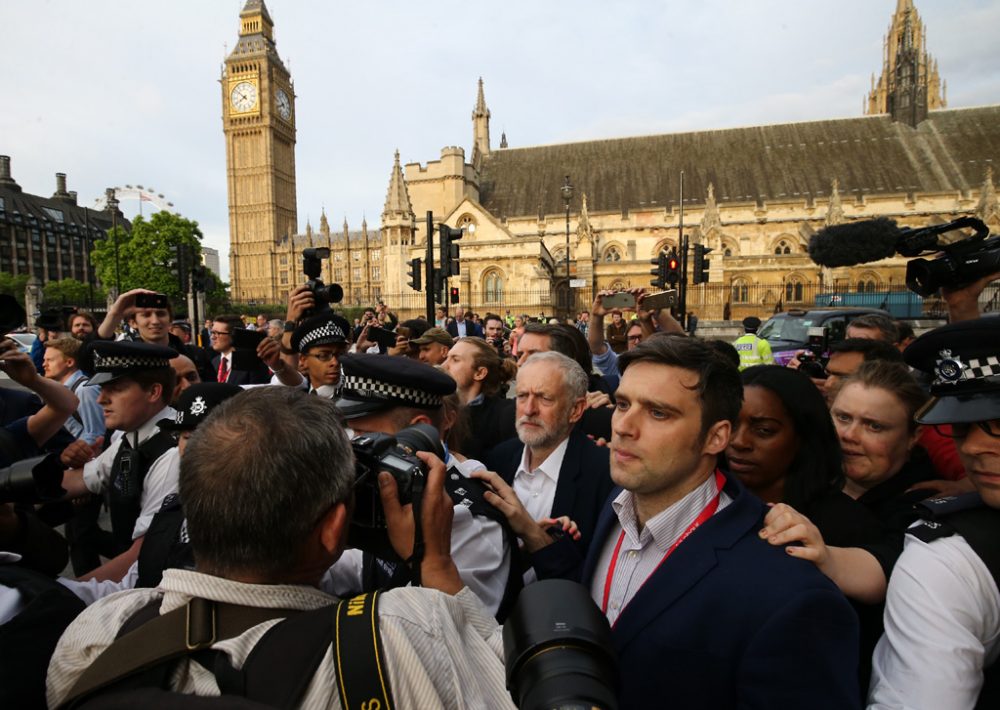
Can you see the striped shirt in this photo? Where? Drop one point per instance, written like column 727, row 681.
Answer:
column 441, row 651
column 642, row 550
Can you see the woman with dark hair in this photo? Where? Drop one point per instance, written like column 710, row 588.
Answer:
column 784, row 448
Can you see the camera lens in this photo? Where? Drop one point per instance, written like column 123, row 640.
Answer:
column 34, row 480
column 558, row 649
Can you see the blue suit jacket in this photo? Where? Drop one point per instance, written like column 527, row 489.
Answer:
column 584, row 479
column 729, row 621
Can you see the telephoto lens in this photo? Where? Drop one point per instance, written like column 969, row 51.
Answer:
column 558, row 650
column 34, row 480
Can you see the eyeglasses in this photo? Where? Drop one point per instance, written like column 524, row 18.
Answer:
column 219, row 333
column 634, row 337
column 961, row 430
column 322, row 357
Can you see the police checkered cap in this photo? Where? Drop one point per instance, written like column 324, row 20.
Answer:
column 319, row 330
column 112, row 360
column 964, row 360
column 374, row 382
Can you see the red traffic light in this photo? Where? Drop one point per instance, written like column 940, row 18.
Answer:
column 672, row 264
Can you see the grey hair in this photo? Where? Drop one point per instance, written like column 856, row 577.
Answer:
column 258, row 475
column 575, row 380
column 276, row 323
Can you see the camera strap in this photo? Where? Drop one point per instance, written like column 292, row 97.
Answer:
column 419, row 484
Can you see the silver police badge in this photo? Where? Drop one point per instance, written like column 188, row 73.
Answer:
column 949, row 368
column 198, row 406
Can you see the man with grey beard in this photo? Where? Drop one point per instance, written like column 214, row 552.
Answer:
column 552, row 466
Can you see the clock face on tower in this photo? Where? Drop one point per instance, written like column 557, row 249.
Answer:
column 243, row 96
column 283, row 103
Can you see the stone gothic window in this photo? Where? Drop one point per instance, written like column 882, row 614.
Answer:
column 782, row 248
column 793, row 291
column 283, row 260
column 376, row 273
column 356, row 256
column 338, row 256
column 493, row 287
column 867, row 286
column 727, row 252
column 356, row 275
column 741, row 291
column 612, row 254
column 375, row 255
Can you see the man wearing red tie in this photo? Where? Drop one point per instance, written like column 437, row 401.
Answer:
column 222, row 343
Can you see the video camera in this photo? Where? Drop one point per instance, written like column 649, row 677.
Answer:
column 312, row 266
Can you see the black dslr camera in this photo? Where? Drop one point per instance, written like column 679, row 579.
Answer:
column 397, row 455
column 31, row 481
column 813, row 361
column 312, row 266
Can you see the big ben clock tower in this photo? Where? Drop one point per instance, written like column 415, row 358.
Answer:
column 258, row 119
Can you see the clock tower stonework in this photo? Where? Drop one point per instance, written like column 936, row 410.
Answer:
column 258, row 119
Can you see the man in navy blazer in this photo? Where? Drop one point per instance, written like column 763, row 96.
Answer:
column 704, row 613
column 469, row 326
column 552, row 465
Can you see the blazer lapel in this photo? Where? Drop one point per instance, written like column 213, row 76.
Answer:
column 689, row 563
column 569, row 475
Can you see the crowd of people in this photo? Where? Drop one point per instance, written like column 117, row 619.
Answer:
column 754, row 536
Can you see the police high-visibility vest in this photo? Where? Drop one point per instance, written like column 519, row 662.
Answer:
column 753, row 351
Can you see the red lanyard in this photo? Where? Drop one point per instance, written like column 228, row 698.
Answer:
column 707, row 513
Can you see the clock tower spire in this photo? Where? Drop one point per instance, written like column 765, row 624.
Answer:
column 258, row 120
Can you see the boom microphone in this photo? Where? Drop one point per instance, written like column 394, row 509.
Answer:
column 855, row 243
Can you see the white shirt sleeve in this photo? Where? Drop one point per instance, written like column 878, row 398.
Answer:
column 161, row 480
column 942, row 626
column 97, row 473
column 92, row 590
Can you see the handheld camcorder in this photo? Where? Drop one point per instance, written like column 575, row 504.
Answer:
column 812, row 361
column 312, row 266
column 958, row 263
column 397, row 455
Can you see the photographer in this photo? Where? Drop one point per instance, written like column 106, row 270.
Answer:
column 495, row 331
column 386, row 395
column 152, row 325
column 264, row 522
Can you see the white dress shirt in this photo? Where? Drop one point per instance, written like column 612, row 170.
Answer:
column 161, row 479
column 643, row 550
column 942, row 627
column 536, row 488
column 441, row 651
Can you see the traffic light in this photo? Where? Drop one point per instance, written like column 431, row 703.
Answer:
column 448, row 250
column 700, row 275
column 453, row 294
column 673, row 270
column 660, row 272
column 180, row 265
column 416, row 266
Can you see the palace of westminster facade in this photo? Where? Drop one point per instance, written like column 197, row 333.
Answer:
column 753, row 195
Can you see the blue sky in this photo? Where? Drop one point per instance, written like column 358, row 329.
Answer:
column 116, row 91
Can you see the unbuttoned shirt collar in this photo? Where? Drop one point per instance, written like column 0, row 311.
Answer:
column 328, row 391
column 642, row 551
column 537, row 488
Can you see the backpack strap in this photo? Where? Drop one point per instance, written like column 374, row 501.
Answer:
column 167, row 637
column 73, row 388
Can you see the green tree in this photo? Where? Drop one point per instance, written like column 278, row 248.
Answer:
column 71, row 292
column 14, row 286
column 146, row 254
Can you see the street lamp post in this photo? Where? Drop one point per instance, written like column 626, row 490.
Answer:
column 112, row 201
column 567, row 195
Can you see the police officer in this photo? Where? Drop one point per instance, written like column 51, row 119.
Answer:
column 320, row 341
column 384, row 395
column 136, row 382
column 942, row 616
column 752, row 350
